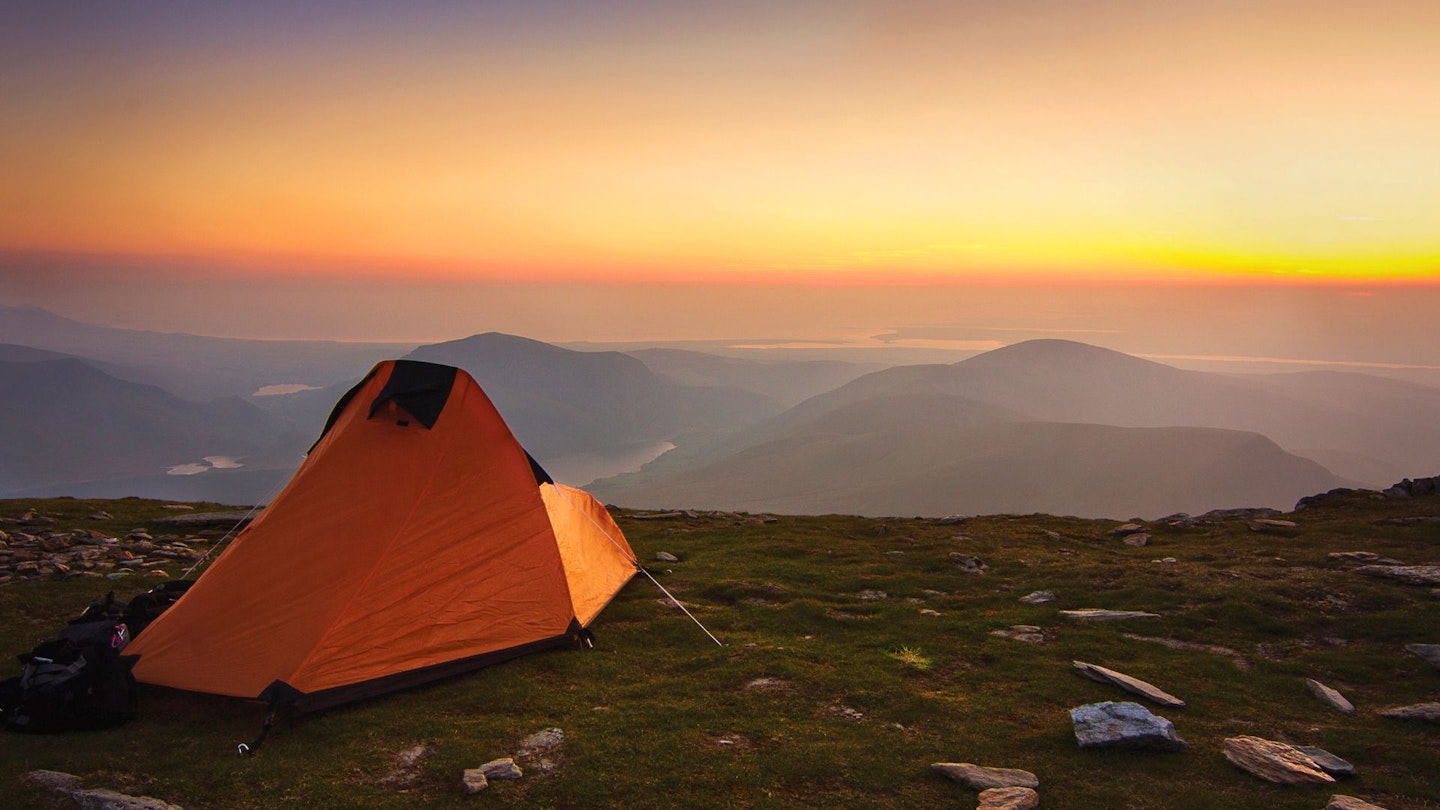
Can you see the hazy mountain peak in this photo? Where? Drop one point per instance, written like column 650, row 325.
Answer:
column 1055, row 352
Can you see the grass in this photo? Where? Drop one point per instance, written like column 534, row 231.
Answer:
column 826, row 696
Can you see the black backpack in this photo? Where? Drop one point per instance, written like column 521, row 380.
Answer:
column 76, row 681
column 145, row 608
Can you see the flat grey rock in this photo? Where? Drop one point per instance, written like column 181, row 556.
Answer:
column 1134, row 686
column 1103, row 615
column 1423, row 712
column 1123, row 725
column 1429, row 652
column 1328, row 762
column 1408, row 574
column 979, row 777
column 1329, row 696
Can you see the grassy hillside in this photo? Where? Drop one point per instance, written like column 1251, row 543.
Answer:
column 828, row 694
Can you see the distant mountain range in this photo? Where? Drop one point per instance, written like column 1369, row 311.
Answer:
column 192, row 366
column 1041, row 426
column 559, row 401
column 65, row 422
column 1055, row 426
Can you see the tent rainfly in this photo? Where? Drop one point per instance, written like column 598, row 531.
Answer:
column 417, row 540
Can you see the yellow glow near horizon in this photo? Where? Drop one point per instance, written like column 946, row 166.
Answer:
column 905, row 141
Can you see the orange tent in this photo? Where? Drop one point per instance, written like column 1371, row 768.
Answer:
column 417, row 540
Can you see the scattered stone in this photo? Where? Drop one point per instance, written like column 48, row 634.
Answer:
column 1008, row 798
column 1331, row 697
column 1274, row 761
column 1166, row 560
column 969, row 564
column 1101, row 614
column 871, row 595
column 1328, row 762
column 1429, row 652
column 1340, row 802
column 1408, row 574
column 765, row 683
column 1126, row 528
column 665, row 556
column 539, row 750
column 1134, row 686
column 657, row 515
column 178, row 507
column 1271, row 524
column 1361, row 557
column 929, row 612
column 981, row 778
column 102, row 515
column 503, row 768
column 1412, row 520
column 405, row 770
column 1138, row 540
column 1038, row 598
column 1123, row 725
column 1053, row 535
column 732, row 741
column 473, row 781
column 54, row 781
column 953, row 520
column 65, row 785
column 543, row 740
column 1028, row 633
column 1423, row 712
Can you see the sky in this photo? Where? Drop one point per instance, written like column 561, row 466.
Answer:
column 807, row 170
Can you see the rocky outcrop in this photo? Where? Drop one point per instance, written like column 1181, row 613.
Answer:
column 1417, row 488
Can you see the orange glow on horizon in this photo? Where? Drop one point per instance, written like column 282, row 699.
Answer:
column 876, row 143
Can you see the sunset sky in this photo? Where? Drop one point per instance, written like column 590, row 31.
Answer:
column 554, row 155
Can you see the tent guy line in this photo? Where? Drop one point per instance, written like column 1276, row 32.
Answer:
column 642, row 569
